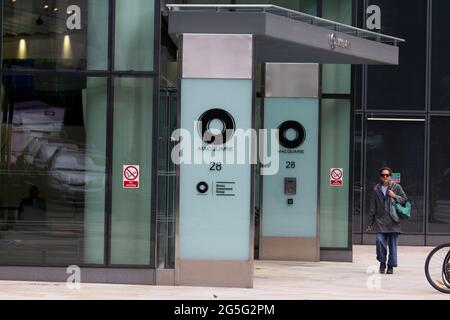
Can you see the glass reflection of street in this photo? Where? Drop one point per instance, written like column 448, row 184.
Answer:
column 52, row 171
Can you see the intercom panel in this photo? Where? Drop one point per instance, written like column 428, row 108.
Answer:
column 290, row 186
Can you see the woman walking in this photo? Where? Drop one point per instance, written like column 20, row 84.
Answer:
column 384, row 221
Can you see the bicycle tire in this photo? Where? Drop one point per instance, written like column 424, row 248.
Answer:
column 445, row 272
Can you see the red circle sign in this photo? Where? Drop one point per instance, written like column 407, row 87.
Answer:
column 131, row 173
column 337, row 174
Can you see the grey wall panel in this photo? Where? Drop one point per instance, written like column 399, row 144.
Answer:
column 88, row 275
column 187, row 22
column 357, row 239
column 292, row 80
column 336, row 255
column 434, row 240
column 217, row 56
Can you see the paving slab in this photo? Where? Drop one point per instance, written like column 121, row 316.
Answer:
column 273, row 281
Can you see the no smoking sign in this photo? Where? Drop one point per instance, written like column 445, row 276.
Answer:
column 131, row 177
column 337, row 177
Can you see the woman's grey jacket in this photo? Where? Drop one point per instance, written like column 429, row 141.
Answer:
column 379, row 211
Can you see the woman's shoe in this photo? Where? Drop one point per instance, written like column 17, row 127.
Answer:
column 382, row 268
column 390, row 270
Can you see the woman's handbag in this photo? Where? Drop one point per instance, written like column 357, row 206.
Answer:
column 399, row 212
column 404, row 211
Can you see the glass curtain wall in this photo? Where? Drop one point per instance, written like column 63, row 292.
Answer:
column 75, row 108
column 439, row 163
column 440, row 64
column 415, row 90
column 401, row 87
column 439, row 193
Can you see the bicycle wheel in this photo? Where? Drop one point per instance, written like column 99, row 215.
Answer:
column 446, row 270
column 437, row 268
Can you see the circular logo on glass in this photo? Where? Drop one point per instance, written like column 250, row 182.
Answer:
column 292, row 134
column 202, row 187
column 216, row 126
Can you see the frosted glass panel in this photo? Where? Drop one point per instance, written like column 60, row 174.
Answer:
column 134, row 35
column 131, row 208
column 299, row 219
column 336, row 78
column 95, row 125
column 337, row 10
column 334, row 201
column 214, row 226
column 97, row 35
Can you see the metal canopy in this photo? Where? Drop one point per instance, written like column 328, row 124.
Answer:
column 283, row 35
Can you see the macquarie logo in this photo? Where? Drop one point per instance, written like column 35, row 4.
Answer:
column 291, row 136
column 338, row 42
column 216, row 127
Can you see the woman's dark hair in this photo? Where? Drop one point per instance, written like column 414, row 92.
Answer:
column 385, row 169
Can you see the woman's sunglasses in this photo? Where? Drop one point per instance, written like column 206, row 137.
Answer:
column 385, row 175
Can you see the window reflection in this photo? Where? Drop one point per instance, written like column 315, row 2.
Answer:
column 401, row 87
column 439, row 208
column 400, row 146
column 55, row 34
column 52, row 170
column 440, row 65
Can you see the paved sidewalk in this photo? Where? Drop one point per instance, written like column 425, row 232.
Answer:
column 274, row 280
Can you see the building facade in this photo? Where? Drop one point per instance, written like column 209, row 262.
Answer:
column 90, row 87
column 401, row 116
column 79, row 96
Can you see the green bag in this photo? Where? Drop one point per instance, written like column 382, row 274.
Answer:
column 404, row 211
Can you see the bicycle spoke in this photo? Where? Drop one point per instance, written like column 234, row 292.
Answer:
column 437, row 268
